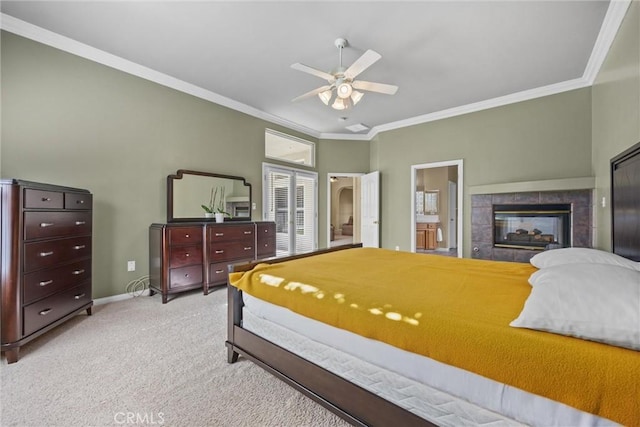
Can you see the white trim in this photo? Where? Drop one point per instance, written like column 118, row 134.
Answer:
column 610, row 25
column 116, row 298
column 266, row 167
column 482, row 105
column 49, row 38
column 414, row 168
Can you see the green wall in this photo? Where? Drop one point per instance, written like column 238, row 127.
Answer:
column 69, row 121
column 616, row 113
column 540, row 139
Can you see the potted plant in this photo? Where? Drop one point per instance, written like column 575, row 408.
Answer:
column 215, row 208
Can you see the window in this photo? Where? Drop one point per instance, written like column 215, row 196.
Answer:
column 288, row 148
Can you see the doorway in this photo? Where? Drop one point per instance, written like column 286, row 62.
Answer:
column 290, row 200
column 343, row 208
column 436, row 208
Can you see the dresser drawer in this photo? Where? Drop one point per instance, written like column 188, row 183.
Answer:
column 218, row 273
column 51, row 252
column 77, row 201
column 185, row 255
column 41, row 225
column 48, row 310
column 185, row 235
column 230, row 232
column 219, row 252
column 185, row 276
column 41, row 199
column 42, row 283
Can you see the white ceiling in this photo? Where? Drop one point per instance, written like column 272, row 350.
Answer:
column 447, row 57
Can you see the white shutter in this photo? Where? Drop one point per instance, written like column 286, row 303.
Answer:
column 290, row 200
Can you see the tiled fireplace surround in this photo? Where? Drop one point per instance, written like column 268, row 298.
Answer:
column 482, row 220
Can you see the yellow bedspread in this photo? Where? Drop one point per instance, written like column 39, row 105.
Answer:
column 456, row 311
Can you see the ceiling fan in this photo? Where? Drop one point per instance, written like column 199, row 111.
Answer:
column 342, row 80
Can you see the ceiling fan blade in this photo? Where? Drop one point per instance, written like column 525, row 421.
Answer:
column 362, row 63
column 312, row 93
column 375, row 87
column 306, row 69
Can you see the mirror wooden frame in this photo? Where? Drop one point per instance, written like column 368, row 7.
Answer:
column 180, row 174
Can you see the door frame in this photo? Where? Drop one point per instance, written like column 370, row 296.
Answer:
column 329, row 175
column 414, row 168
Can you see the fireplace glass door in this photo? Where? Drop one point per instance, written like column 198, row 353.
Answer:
column 535, row 227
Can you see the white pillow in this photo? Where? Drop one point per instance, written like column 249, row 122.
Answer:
column 597, row 302
column 581, row 256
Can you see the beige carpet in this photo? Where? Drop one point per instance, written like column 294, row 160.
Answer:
column 139, row 362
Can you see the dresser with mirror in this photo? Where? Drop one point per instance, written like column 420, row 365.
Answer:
column 194, row 249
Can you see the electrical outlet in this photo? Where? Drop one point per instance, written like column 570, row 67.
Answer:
column 131, row 266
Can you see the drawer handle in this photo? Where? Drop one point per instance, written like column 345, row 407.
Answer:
column 80, row 202
column 220, row 251
column 186, row 275
column 78, row 247
column 44, row 254
column 248, row 232
column 219, row 234
column 78, row 296
column 46, row 199
column 186, row 235
column 45, row 283
column 219, row 271
column 80, row 222
column 46, row 224
column 247, row 248
column 187, row 254
column 77, row 272
column 45, row 312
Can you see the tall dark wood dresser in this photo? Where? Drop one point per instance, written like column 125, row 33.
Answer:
column 45, row 249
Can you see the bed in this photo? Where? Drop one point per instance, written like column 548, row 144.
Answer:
column 315, row 324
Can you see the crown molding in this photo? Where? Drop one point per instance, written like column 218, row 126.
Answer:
column 49, row 38
column 483, row 105
column 611, row 23
column 610, row 26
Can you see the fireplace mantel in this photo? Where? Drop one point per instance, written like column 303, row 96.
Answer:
column 584, row 183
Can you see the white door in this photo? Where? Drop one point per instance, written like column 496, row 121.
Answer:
column 370, row 213
column 453, row 215
column 290, row 200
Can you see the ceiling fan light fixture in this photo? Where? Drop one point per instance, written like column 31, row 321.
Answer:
column 356, row 96
column 325, row 96
column 344, row 90
column 340, row 103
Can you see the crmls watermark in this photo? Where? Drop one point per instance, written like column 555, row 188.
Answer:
column 139, row 418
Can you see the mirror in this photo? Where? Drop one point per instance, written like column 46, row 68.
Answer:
column 188, row 190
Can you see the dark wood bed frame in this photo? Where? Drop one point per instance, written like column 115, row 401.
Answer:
column 349, row 401
column 361, row 407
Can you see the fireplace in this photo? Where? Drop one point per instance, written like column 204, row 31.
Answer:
column 532, row 226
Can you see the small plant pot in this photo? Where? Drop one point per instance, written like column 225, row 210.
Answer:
column 219, row 217
column 208, row 214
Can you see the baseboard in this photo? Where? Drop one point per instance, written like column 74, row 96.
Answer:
column 121, row 297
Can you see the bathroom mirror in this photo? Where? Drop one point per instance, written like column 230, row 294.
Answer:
column 188, row 190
